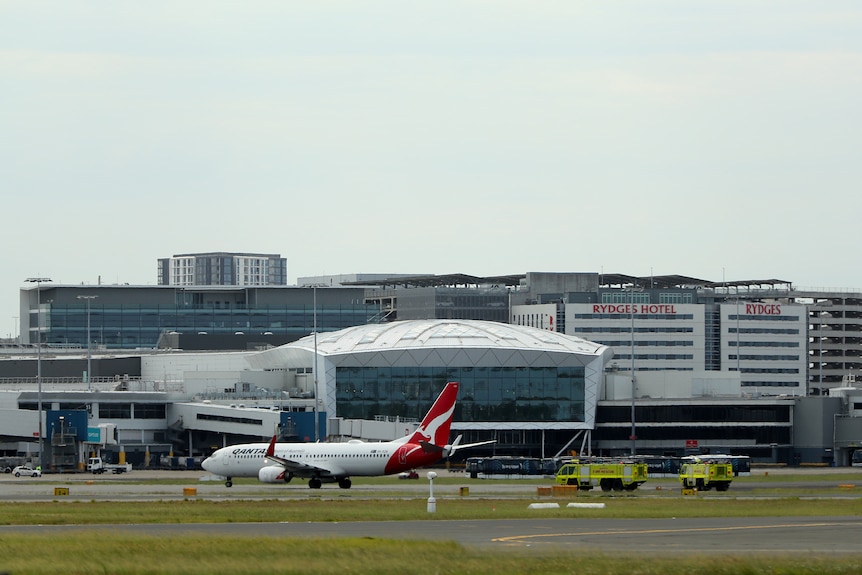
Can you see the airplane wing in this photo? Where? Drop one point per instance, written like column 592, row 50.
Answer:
column 298, row 468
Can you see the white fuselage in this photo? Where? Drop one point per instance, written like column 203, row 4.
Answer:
column 347, row 459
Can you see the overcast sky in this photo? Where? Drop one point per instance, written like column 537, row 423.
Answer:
column 719, row 140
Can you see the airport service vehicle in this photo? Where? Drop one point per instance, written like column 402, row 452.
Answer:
column 338, row 462
column 7, row 464
column 613, row 474
column 96, row 465
column 26, row 471
column 703, row 474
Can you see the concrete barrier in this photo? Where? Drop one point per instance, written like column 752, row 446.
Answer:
column 543, row 506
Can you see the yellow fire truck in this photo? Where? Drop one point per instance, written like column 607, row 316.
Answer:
column 615, row 474
column 703, row 474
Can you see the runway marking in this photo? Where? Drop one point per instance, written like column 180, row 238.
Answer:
column 515, row 538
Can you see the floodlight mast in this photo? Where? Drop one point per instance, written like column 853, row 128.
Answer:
column 39, row 281
column 89, row 355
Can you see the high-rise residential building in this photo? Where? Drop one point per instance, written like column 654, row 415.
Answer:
column 223, row 268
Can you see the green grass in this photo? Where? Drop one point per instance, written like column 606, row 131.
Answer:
column 104, row 552
column 319, row 510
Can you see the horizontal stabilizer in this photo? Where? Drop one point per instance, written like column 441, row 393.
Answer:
column 458, row 447
column 430, row 447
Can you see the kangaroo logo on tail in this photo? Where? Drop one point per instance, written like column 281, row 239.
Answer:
column 435, row 427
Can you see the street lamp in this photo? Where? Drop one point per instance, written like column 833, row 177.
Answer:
column 38, row 282
column 89, row 366
column 314, row 372
column 632, row 289
column 314, row 365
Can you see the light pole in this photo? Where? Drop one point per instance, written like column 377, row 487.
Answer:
column 314, row 371
column 38, row 282
column 633, row 437
column 89, row 355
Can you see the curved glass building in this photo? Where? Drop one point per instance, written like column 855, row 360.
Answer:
column 521, row 385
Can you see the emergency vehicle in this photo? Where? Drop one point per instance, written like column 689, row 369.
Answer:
column 703, row 474
column 609, row 474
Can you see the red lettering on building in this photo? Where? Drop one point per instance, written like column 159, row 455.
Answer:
column 628, row 308
column 763, row 309
column 658, row 308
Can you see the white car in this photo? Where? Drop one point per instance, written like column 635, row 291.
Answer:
column 26, row 470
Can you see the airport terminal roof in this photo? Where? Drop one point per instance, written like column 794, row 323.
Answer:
column 607, row 280
column 447, row 280
column 674, row 281
column 425, row 334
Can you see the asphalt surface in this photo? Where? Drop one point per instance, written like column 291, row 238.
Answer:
column 785, row 535
column 795, row 535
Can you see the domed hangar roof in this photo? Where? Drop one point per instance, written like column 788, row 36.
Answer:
column 414, row 335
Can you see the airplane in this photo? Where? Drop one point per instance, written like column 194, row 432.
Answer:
column 338, row 462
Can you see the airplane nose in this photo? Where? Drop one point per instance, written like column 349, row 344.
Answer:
column 207, row 463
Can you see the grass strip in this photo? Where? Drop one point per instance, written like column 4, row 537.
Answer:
column 105, row 552
column 61, row 512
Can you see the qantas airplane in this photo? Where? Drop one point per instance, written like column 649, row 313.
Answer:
column 337, row 462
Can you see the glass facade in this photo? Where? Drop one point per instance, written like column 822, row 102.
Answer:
column 139, row 326
column 743, row 423
column 486, row 394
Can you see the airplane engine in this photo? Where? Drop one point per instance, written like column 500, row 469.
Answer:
column 273, row 474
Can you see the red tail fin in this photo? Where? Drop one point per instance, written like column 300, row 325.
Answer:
column 270, row 451
column 435, row 427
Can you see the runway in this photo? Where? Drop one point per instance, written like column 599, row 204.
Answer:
column 792, row 535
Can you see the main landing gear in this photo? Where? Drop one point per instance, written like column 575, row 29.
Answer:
column 343, row 482
column 228, row 482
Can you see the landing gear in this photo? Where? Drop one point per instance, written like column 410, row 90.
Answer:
column 314, row 483
column 345, row 483
column 288, row 477
column 228, row 482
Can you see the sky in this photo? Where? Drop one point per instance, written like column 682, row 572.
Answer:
column 713, row 139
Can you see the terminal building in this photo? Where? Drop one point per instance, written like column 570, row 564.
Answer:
column 751, row 368
column 124, row 317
